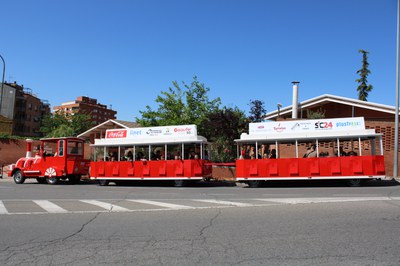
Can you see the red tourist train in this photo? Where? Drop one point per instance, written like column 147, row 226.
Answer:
column 288, row 150
column 56, row 158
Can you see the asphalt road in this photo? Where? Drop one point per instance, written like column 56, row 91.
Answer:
column 302, row 223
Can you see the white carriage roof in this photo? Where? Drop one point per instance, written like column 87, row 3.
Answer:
column 150, row 136
column 308, row 130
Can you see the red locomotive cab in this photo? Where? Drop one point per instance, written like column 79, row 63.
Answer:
column 53, row 159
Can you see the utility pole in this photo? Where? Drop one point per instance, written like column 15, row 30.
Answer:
column 396, row 124
column 2, row 82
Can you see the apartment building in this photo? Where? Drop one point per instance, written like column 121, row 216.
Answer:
column 99, row 112
column 24, row 109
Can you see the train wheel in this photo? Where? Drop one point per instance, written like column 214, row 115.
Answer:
column 354, row 182
column 180, row 183
column 18, row 177
column 52, row 180
column 254, row 183
column 41, row 180
column 103, row 182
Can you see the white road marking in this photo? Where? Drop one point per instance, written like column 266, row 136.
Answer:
column 106, row 205
column 163, row 204
column 49, row 206
column 224, row 202
column 3, row 209
column 322, row 200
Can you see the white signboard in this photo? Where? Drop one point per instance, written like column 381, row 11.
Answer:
column 314, row 125
column 151, row 132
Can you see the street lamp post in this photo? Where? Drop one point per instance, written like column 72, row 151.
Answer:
column 2, row 82
column 279, row 109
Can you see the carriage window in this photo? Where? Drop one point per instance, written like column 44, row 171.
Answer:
column 112, row 154
column 75, row 148
column 157, row 152
column 142, row 153
column 192, row 151
column 174, row 151
column 61, row 148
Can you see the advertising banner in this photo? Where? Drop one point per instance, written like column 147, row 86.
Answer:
column 152, row 132
column 290, row 127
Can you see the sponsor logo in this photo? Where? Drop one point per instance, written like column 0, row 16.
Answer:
column 135, row 132
column 167, row 132
column 323, row 125
column 260, row 127
column 153, row 132
column 279, row 128
column 295, row 126
column 348, row 124
column 186, row 130
column 116, row 134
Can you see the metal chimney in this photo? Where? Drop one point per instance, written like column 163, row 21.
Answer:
column 295, row 99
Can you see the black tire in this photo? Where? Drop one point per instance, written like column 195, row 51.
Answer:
column 255, row 183
column 354, row 182
column 74, row 179
column 18, row 177
column 52, row 180
column 103, row 182
column 180, row 183
column 41, row 180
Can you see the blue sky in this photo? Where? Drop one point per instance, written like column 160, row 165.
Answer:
column 125, row 52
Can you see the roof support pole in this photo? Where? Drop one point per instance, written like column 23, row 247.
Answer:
column 338, row 147
column 256, row 149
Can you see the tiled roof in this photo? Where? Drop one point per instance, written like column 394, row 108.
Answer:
column 109, row 124
column 327, row 98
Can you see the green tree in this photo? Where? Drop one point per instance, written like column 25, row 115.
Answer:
column 179, row 106
column 364, row 89
column 62, row 124
column 257, row 110
column 316, row 114
column 222, row 127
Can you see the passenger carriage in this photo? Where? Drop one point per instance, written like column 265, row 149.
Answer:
column 174, row 153
column 344, row 149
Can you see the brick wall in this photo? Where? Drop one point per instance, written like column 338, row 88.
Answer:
column 387, row 129
column 13, row 149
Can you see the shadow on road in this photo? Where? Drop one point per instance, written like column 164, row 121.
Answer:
column 221, row 183
column 327, row 183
